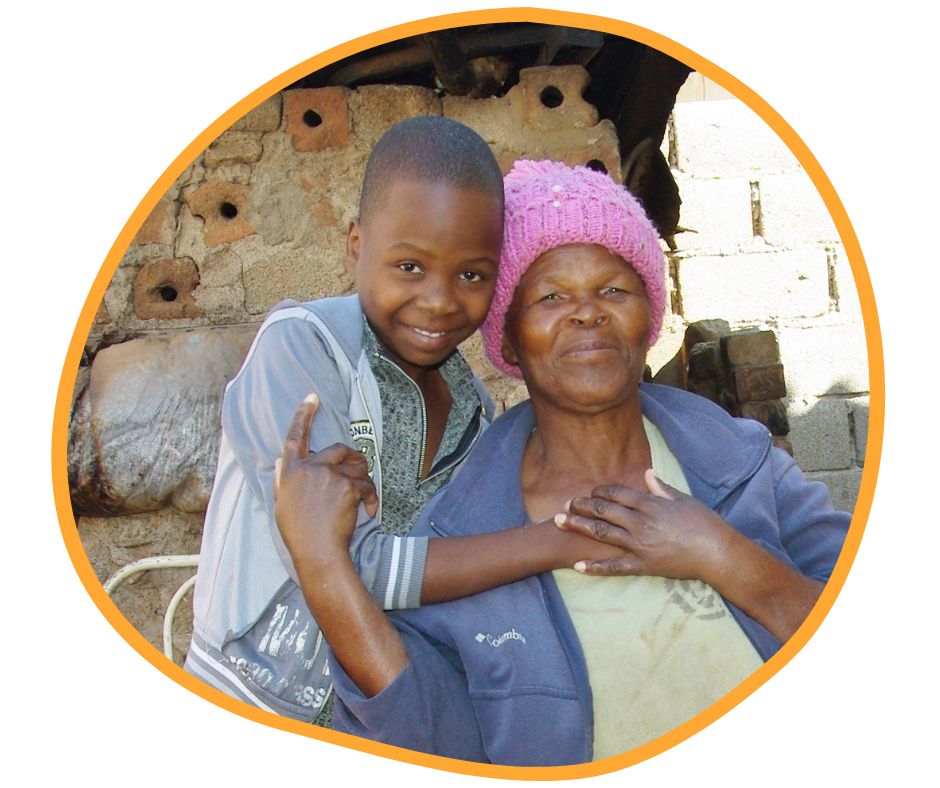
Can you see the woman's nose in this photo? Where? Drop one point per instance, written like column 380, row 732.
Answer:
column 588, row 312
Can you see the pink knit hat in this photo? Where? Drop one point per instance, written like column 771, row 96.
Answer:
column 550, row 204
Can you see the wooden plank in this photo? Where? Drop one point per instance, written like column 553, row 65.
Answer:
column 491, row 42
column 452, row 68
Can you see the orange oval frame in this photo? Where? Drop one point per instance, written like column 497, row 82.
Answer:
column 146, row 205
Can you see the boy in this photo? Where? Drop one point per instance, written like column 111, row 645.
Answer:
column 390, row 382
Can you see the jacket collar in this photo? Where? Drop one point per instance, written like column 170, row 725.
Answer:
column 343, row 316
column 717, row 452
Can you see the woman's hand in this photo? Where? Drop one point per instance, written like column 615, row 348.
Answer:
column 317, row 496
column 662, row 532
column 669, row 534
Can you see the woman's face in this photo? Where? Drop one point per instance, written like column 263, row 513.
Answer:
column 578, row 328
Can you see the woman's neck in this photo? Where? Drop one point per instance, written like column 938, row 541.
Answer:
column 569, row 454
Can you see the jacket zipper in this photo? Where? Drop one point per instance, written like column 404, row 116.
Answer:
column 424, row 431
column 551, row 600
column 464, row 453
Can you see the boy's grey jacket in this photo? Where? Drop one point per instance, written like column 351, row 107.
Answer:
column 500, row 677
column 253, row 635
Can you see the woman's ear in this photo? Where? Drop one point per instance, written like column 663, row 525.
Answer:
column 353, row 244
column 507, row 352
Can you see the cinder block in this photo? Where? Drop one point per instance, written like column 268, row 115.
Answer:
column 825, row 360
column 843, row 486
column 726, row 136
column 280, row 209
column 698, row 87
column 102, row 316
column 302, row 274
column 223, row 206
column 160, row 226
column 317, row 118
column 233, row 147
column 705, row 360
column 374, row 109
column 710, row 388
column 793, row 213
column 755, row 286
column 771, row 413
column 189, row 238
column 221, row 292
column 750, row 348
column 754, row 384
column 819, row 431
column 666, row 358
column 519, row 125
column 705, row 331
column 553, row 98
column 118, row 298
column 596, row 147
column 846, row 289
column 858, row 419
column 491, row 118
column 265, row 117
column 716, row 213
column 164, row 290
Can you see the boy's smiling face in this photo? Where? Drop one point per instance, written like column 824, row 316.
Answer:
column 425, row 265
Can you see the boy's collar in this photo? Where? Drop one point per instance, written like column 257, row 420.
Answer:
column 454, row 369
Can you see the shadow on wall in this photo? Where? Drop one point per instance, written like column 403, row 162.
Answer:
column 830, row 437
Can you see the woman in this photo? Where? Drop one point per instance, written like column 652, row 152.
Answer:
column 724, row 547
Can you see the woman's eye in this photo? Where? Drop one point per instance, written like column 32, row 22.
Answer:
column 471, row 276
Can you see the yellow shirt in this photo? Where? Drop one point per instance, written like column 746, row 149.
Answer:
column 658, row 651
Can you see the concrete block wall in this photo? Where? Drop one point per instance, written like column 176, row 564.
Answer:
column 760, row 249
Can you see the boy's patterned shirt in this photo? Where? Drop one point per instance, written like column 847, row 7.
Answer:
column 404, row 493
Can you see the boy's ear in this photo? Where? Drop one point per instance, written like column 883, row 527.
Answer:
column 353, row 245
column 507, row 352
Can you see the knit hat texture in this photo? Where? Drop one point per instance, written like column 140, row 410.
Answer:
column 550, row 204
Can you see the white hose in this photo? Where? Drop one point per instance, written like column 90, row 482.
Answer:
column 159, row 562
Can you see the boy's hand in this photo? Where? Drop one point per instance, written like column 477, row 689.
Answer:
column 317, row 495
column 317, row 500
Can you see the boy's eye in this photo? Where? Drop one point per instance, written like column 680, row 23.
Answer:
column 410, row 268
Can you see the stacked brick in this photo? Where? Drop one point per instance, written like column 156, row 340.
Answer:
column 739, row 370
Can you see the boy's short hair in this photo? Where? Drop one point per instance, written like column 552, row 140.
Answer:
column 429, row 148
